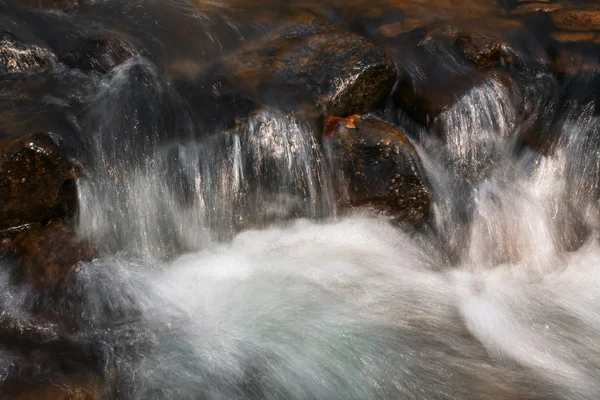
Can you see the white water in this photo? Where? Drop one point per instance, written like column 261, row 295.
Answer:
column 355, row 309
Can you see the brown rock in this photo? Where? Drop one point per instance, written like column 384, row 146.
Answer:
column 577, row 20
column 308, row 62
column 538, row 7
column 48, row 253
column 569, row 37
column 406, row 25
column 573, row 62
column 378, row 166
column 64, row 388
column 36, row 181
column 483, row 51
column 18, row 57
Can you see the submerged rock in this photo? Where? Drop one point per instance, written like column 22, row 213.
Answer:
column 49, row 4
column 48, row 253
column 37, row 181
column 425, row 100
column 378, row 166
column 98, row 53
column 577, row 20
column 535, row 7
column 311, row 63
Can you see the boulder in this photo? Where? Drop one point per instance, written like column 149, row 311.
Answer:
column 482, row 50
column 48, row 253
column 100, row 54
column 376, row 165
column 577, row 20
column 310, row 63
column 37, row 181
column 426, row 99
column 535, row 7
column 440, row 80
column 16, row 56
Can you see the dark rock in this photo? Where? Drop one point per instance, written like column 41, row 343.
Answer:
column 36, row 181
column 48, row 253
column 425, row 100
column 448, row 63
column 483, row 51
column 19, row 57
column 63, row 387
column 576, row 59
column 310, row 62
column 49, row 4
column 537, row 100
column 99, row 54
column 378, row 166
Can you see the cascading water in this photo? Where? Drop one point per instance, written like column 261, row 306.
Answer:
column 227, row 271
column 349, row 307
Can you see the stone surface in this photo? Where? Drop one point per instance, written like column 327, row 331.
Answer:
column 425, row 100
column 63, row 388
column 48, row 253
column 577, row 20
column 572, row 61
column 482, row 50
column 49, row 4
column 19, row 57
column 536, row 7
column 378, row 166
column 569, row 37
column 310, row 63
column 36, row 181
column 98, row 53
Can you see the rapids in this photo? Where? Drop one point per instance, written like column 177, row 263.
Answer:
column 228, row 271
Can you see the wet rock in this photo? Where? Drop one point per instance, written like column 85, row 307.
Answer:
column 48, row 253
column 49, row 4
column 19, row 57
column 574, row 60
column 400, row 27
column 311, row 63
column 483, row 51
column 537, row 102
column 64, row 387
column 535, row 7
column 378, row 166
column 425, row 100
column 7, row 237
column 99, row 54
column 447, row 64
column 577, row 20
column 36, row 181
column 569, row 37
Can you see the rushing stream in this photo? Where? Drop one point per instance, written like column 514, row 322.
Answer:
column 228, row 270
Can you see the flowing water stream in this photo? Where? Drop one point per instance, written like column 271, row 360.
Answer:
column 228, row 272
